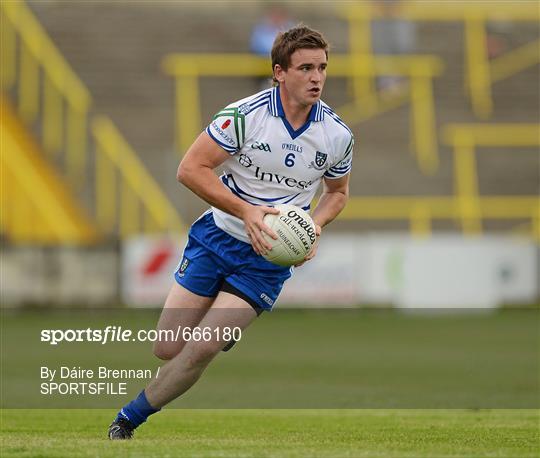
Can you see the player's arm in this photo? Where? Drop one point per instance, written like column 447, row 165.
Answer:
column 196, row 172
column 333, row 199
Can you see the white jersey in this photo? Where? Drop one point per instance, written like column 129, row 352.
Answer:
column 271, row 163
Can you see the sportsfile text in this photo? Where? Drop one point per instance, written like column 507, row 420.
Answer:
column 119, row 334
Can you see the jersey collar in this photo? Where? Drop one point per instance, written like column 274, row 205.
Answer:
column 276, row 108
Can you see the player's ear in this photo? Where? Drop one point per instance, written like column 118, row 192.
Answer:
column 279, row 73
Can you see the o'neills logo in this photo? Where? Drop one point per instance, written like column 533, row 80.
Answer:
column 304, row 224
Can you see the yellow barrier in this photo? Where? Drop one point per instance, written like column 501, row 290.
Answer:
column 24, row 217
column 465, row 138
column 35, row 206
column 127, row 197
column 62, row 89
column 188, row 68
column 62, row 102
column 422, row 210
column 480, row 72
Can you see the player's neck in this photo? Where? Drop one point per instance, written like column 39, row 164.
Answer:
column 296, row 114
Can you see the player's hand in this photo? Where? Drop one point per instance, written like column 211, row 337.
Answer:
column 313, row 250
column 255, row 227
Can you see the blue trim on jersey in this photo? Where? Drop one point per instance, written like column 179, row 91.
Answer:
column 319, row 116
column 339, row 175
column 336, row 118
column 281, row 113
column 344, row 160
column 330, row 175
column 273, row 106
column 261, row 104
column 336, row 169
column 276, row 108
column 291, row 199
column 240, row 192
column 227, row 148
column 349, row 148
column 336, row 173
column 224, row 180
column 236, row 193
column 295, row 133
column 259, row 98
column 339, row 170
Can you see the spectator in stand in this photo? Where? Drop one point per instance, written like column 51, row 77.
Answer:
column 275, row 19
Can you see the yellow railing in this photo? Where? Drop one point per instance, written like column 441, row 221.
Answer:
column 136, row 190
column 187, row 69
column 421, row 211
column 465, row 138
column 466, row 206
column 35, row 205
column 36, row 219
column 63, row 95
column 480, row 73
column 50, row 92
column 420, row 71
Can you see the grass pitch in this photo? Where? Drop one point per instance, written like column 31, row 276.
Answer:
column 311, row 359
column 277, row 433
column 348, row 384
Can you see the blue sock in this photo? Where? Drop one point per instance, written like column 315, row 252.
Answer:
column 137, row 411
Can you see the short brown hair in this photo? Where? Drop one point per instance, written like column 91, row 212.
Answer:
column 299, row 37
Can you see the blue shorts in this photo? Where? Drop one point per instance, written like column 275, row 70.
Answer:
column 214, row 260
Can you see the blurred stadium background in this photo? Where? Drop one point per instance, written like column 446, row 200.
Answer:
column 100, row 99
column 98, row 102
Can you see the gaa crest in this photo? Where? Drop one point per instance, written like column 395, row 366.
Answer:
column 320, row 161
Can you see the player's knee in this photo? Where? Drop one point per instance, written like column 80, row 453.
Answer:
column 203, row 353
column 165, row 351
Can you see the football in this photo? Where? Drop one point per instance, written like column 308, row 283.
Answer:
column 296, row 235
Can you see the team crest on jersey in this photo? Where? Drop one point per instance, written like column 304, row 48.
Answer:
column 320, row 161
column 320, row 158
column 183, row 266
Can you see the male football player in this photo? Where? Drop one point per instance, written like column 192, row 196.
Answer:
column 275, row 147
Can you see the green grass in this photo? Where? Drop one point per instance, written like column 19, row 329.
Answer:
column 295, row 359
column 277, row 433
column 348, row 383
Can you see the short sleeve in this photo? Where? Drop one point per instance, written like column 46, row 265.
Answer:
column 228, row 129
column 344, row 162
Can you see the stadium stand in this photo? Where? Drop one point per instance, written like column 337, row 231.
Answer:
column 65, row 164
column 118, row 50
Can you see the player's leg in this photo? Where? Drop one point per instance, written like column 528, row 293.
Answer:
column 179, row 374
column 183, row 309
column 244, row 294
column 251, row 285
column 198, row 278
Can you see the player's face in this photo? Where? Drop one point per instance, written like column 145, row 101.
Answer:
column 304, row 79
